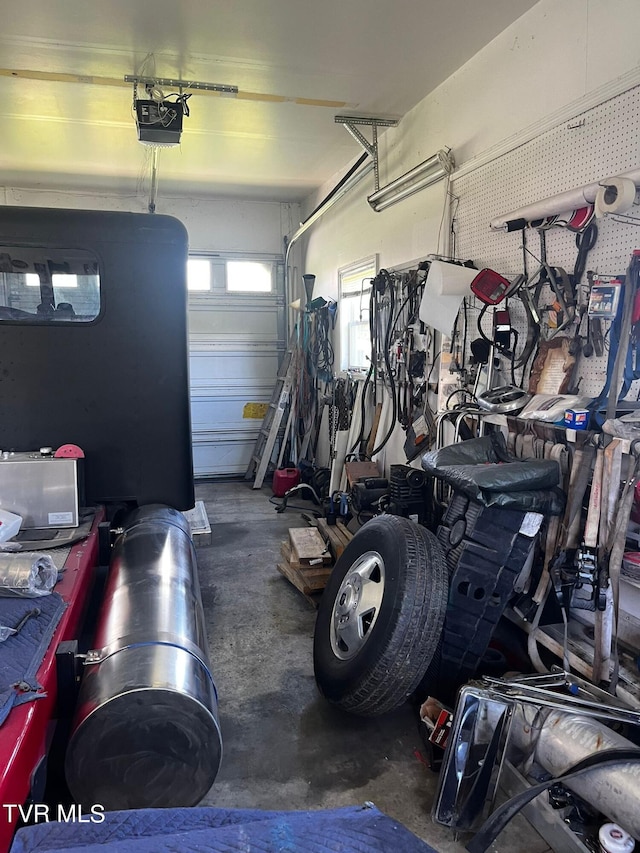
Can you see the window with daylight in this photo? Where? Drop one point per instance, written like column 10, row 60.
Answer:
column 217, row 275
column 46, row 285
column 249, row 277
column 198, row 274
column 354, row 284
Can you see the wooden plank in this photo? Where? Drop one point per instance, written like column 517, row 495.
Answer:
column 580, row 653
column 313, row 597
column 304, row 582
column 308, row 546
column 344, row 530
column 319, row 571
column 374, row 429
column 357, row 470
column 285, row 550
column 334, row 535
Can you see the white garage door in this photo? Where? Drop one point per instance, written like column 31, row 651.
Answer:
column 236, row 340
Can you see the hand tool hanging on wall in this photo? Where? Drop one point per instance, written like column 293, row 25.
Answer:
column 399, row 357
column 562, row 310
column 561, row 313
column 381, row 314
column 623, row 365
column 411, row 357
column 531, row 312
column 585, row 241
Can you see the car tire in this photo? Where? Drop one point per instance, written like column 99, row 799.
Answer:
column 381, row 616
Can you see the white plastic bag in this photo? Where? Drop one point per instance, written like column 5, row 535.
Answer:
column 551, row 407
column 27, row 574
column 9, row 524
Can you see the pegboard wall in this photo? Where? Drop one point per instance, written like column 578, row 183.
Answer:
column 599, row 143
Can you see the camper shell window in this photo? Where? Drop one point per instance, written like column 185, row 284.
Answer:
column 44, row 285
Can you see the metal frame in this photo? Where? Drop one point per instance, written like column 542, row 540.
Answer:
column 176, row 83
column 349, row 123
column 428, row 172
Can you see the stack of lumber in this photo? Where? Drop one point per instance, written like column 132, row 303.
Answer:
column 336, row 535
column 307, row 561
column 309, row 554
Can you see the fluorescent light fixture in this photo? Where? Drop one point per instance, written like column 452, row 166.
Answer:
column 421, row 176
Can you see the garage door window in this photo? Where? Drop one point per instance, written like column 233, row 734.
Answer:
column 249, row 277
column 198, row 275
column 216, row 276
column 48, row 286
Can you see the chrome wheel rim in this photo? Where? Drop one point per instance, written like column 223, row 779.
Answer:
column 357, row 605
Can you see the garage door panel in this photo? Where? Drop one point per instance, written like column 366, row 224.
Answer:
column 236, row 343
column 227, row 412
column 223, row 368
column 247, row 320
column 222, row 452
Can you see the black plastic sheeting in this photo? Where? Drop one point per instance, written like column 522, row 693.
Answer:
column 482, row 469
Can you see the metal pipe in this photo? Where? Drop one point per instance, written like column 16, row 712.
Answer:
column 562, row 740
column 346, row 187
column 153, row 193
column 146, row 731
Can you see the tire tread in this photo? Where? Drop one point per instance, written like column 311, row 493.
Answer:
column 406, row 652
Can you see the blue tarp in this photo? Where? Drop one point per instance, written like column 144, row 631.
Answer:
column 22, row 654
column 356, row 829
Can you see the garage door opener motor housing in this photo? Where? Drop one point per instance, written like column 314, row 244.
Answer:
column 159, row 122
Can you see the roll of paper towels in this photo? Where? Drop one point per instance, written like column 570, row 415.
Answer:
column 616, row 195
column 445, row 288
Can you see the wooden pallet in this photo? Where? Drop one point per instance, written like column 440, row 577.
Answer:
column 336, row 535
column 310, row 580
column 307, row 563
column 308, row 547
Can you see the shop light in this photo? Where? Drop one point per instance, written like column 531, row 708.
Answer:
column 423, row 175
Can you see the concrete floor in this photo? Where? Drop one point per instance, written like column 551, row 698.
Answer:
column 284, row 746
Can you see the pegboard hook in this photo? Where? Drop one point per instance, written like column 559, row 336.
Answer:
column 623, row 218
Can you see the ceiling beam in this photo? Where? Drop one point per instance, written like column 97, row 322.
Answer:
column 92, row 80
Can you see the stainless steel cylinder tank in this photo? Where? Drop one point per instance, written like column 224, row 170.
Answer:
column 146, row 732
column 564, row 739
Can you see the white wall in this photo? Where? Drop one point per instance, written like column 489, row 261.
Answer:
column 553, row 55
column 550, row 58
column 213, row 224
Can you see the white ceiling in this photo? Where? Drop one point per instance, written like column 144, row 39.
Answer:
column 372, row 57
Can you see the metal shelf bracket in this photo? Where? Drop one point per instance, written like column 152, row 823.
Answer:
column 350, row 124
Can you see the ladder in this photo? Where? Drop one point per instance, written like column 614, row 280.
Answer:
column 265, row 443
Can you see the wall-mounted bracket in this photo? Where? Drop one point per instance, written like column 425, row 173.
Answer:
column 176, row 83
column 350, row 124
